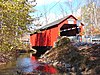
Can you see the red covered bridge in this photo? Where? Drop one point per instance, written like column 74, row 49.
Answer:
column 48, row 34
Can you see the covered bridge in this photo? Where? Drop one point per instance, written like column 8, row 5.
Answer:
column 46, row 36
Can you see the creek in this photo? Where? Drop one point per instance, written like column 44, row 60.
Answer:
column 22, row 63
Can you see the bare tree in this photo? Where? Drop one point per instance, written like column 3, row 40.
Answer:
column 45, row 14
column 63, row 11
column 90, row 15
column 72, row 7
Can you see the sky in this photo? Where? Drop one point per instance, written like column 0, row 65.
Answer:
column 55, row 9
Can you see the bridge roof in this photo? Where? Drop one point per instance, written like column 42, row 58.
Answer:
column 56, row 22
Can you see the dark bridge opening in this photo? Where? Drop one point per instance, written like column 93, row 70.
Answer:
column 69, row 30
column 41, row 50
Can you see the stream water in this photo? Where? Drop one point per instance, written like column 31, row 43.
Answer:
column 23, row 64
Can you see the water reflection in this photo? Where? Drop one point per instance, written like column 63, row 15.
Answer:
column 32, row 65
column 27, row 65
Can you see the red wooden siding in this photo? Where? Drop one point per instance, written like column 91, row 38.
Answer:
column 61, row 24
column 32, row 39
column 54, row 35
column 45, row 38
column 65, row 22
